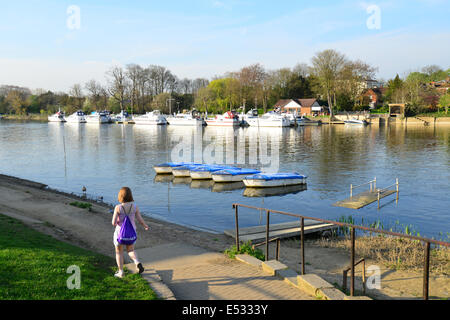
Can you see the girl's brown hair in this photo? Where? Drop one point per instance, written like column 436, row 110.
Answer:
column 125, row 195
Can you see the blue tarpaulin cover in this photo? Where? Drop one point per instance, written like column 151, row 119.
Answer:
column 237, row 171
column 176, row 164
column 276, row 176
column 211, row 168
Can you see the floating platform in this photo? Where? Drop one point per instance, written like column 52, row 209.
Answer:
column 282, row 230
column 363, row 199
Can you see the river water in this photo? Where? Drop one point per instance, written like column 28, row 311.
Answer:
column 103, row 158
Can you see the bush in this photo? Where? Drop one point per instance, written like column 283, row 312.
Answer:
column 245, row 248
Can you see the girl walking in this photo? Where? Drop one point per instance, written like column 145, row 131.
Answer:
column 127, row 207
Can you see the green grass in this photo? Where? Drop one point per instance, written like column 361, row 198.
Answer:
column 34, row 267
column 82, row 205
column 245, row 248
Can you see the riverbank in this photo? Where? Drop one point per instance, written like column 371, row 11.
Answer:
column 50, row 212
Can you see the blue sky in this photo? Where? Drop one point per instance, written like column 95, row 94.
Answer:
column 203, row 38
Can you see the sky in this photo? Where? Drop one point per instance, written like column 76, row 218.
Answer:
column 53, row 44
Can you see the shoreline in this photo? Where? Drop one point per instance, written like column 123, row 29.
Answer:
column 49, row 211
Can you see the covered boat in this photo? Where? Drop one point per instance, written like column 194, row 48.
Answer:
column 184, row 170
column 233, row 175
column 206, row 171
column 274, row 180
column 166, row 168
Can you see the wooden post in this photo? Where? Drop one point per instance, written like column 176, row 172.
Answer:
column 375, row 183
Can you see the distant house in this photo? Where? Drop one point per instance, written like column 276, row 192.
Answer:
column 374, row 96
column 306, row 107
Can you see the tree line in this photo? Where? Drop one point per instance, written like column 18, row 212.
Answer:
column 331, row 77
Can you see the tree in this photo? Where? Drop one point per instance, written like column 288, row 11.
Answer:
column 95, row 91
column 118, row 85
column 326, row 67
column 16, row 101
column 444, row 102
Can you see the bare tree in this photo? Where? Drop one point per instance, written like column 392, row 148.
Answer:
column 327, row 66
column 118, row 85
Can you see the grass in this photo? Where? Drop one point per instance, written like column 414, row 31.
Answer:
column 34, row 267
column 82, row 205
column 245, row 248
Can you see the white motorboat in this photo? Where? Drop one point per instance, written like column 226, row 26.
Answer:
column 150, row 118
column 77, row 117
column 274, row 180
column 122, row 117
column 270, row 119
column 57, row 117
column 250, row 116
column 228, row 119
column 356, row 121
column 233, row 175
column 98, row 117
column 186, row 119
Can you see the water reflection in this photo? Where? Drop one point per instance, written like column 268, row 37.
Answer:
column 275, row 191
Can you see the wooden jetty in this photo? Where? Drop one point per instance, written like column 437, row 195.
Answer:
column 281, row 230
column 365, row 198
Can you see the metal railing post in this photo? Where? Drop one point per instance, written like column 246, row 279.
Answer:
column 237, row 227
column 278, row 249
column 396, row 182
column 302, row 240
column 426, row 271
column 375, row 183
column 267, row 235
column 352, row 264
column 351, row 191
column 378, row 199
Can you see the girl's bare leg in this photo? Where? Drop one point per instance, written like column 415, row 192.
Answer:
column 119, row 257
column 132, row 254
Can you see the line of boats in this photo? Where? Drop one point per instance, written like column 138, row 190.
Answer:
column 226, row 174
column 228, row 119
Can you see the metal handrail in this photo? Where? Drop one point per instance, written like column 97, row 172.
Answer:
column 277, row 250
column 302, row 218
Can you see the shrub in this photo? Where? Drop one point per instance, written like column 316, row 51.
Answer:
column 245, row 248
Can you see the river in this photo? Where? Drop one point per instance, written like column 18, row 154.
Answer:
column 103, row 158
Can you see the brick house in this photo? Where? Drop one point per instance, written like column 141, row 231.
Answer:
column 374, row 96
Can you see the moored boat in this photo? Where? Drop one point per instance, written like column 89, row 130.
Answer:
column 274, row 180
column 304, row 121
column 167, row 168
column 98, row 117
column 122, row 117
column 205, row 172
column 57, row 117
column 270, row 119
column 77, row 117
column 233, row 175
column 186, row 119
column 184, row 170
column 151, row 118
column 356, row 121
column 228, row 119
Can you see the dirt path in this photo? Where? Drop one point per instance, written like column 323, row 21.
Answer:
column 50, row 212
